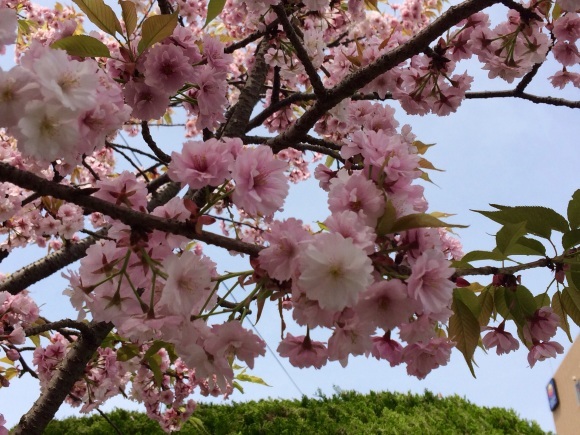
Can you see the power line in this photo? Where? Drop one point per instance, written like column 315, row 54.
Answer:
column 270, row 349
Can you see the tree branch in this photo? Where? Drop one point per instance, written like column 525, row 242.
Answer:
column 301, row 53
column 354, row 81
column 511, row 93
column 68, row 372
column 34, row 272
column 165, row 158
column 249, row 96
column 524, row 96
column 259, row 119
column 251, row 38
column 84, row 328
column 133, row 218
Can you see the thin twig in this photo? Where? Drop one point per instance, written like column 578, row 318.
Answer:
column 146, row 134
column 301, row 52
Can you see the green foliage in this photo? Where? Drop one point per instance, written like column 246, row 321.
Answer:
column 101, row 15
column 155, row 29
column 420, row 220
column 464, row 327
column 344, row 413
column 83, row 46
column 214, row 8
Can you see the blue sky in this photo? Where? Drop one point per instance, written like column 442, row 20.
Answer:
column 500, row 151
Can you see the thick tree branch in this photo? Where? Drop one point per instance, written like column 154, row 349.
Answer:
column 84, row 328
column 37, row 271
column 363, row 76
column 301, row 52
column 259, row 119
column 249, row 96
column 135, row 219
column 68, row 372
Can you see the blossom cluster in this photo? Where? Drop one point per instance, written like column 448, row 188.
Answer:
column 375, row 279
column 58, row 108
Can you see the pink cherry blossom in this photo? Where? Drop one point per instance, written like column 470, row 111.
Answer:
column 69, row 82
column 422, row 357
column 333, row 271
column 230, row 338
column 261, row 186
column 566, row 53
column 429, row 282
column 48, row 132
column 349, row 225
column 385, row 348
column 167, row 68
column 387, row 304
column 280, row 258
column 8, row 24
column 3, row 429
column 188, row 287
column 358, row 194
column 147, row 102
column 542, row 326
column 543, row 350
column 201, row 164
column 567, row 27
column 302, row 352
column 569, row 5
column 502, row 340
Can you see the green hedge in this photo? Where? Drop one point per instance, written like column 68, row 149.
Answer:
column 344, row 413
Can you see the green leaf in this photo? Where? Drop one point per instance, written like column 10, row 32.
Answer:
column 571, row 304
column 238, row 387
column 485, row 301
column 6, row 360
column 154, row 362
column 574, row 210
column 127, row 351
column 499, row 302
column 422, row 147
column 156, row 29
column 129, row 15
column 329, row 161
column 508, row 235
column 253, row 379
column 387, row 220
column 155, row 347
column 542, row 300
column 571, row 239
column 520, row 303
column 101, row 15
column 558, row 308
column 556, row 12
column 573, row 275
column 82, row 46
column 539, row 220
column 426, row 164
column 464, row 327
column 214, row 8
column 482, row 255
column 420, row 220
column 197, row 424
column 527, row 246
column 425, row 177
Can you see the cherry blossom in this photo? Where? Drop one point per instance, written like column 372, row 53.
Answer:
column 319, row 78
column 333, row 271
